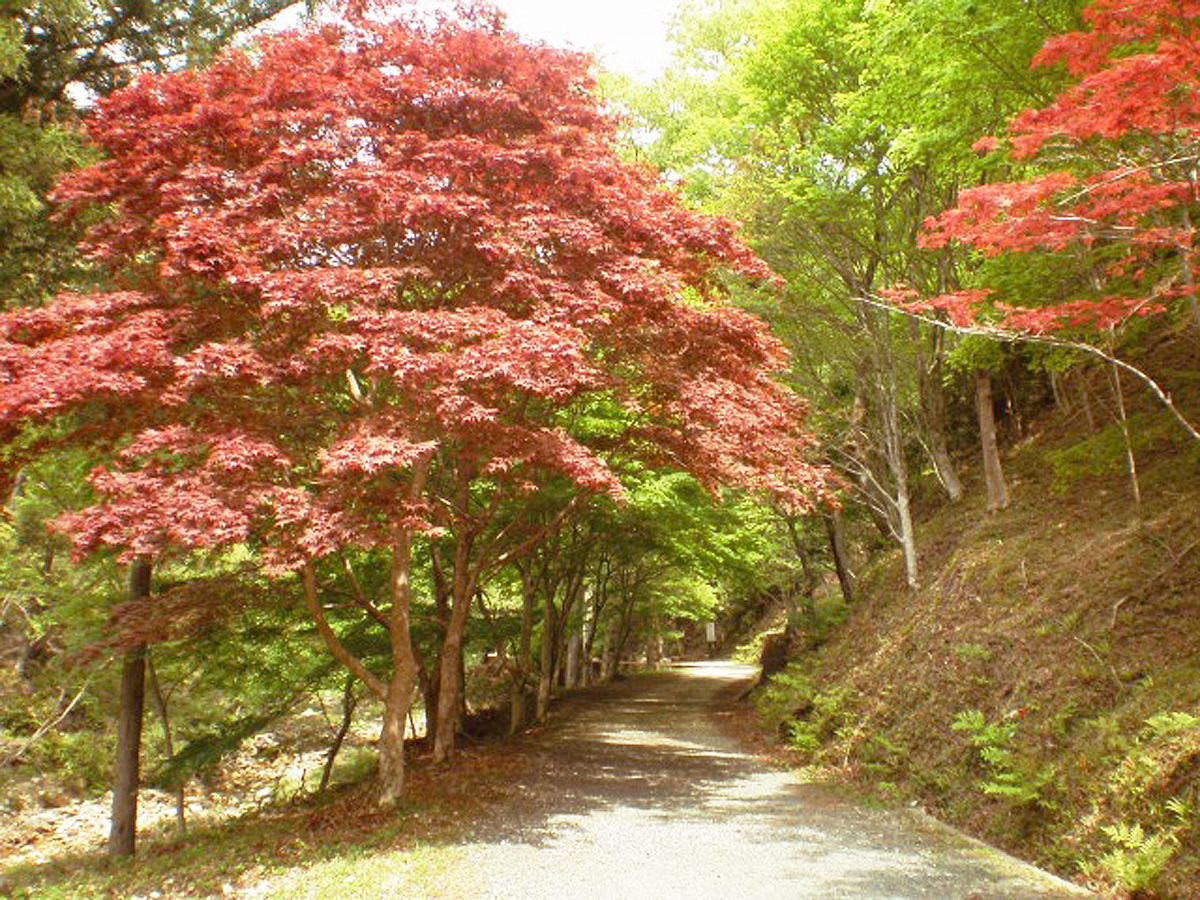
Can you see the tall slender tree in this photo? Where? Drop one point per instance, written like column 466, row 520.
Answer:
column 834, row 129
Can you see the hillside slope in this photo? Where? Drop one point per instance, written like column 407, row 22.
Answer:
column 1042, row 687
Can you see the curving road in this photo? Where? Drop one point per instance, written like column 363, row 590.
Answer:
column 636, row 793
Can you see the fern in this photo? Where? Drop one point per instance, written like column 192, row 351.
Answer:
column 1138, row 858
column 1169, row 723
column 1006, row 778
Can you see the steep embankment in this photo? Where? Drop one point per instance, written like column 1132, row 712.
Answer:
column 1042, row 687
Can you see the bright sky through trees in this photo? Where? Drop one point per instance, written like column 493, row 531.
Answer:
column 629, row 36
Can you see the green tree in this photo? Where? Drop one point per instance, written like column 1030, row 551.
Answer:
column 833, row 129
column 56, row 58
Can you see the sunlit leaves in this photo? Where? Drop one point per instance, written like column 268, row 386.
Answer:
column 371, row 246
column 1122, row 141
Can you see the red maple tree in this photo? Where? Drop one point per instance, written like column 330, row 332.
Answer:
column 1119, row 183
column 378, row 279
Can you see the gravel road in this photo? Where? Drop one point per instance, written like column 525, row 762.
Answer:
column 636, row 792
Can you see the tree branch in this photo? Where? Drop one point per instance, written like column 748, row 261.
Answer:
column 372, row 610
column 50, row 723
column 332, row 641
column 529, row 543
column 1021, row 337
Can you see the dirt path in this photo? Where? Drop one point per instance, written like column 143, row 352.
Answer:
column 635, row 791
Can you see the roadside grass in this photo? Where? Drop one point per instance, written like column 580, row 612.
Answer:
column 415, row 871
column 338, row 845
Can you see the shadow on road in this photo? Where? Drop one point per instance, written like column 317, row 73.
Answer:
column 633, row 790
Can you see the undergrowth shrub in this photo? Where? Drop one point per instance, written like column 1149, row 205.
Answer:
column 1007, row 776
column 1103, row 453
column 826, row 718
column 1137, row 858
column 1149, row 812
column 787, row 691
column 808, row 718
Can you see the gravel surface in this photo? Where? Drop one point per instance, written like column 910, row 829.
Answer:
column 635, row 791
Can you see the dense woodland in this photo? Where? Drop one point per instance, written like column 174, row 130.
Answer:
column 394, row 364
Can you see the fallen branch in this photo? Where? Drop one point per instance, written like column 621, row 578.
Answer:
column 49, row 724
column 1161, row 573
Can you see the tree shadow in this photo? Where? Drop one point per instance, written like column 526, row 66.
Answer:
column 622, row 779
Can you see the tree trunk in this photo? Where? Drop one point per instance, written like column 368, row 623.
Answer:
column 460, row 688
column 944, row 465
column 451, row 663
column 160, row 708
column 654, row 643
column 1062, row 401
column 566, row 629
column 546, row 673
column 611, row 663
column 399, row 695
column 933, row 409
column 433, row 684
column 349, row 702
column 400, row 687
column 1130, row 459
column 898, row 467
column 993, row 472
column 433, row 687
column 1189, row 276
column 592, row 628
column 122, row 836
column 391, row 735
column 908, row 538
column 518, row 713
column 574, row 653
column 622, row 624
column 837, row 548
column 803, row 614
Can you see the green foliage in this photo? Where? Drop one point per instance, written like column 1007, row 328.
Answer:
column 1149, row 813
column 1137, row 858
column 970, row 651
column 809, row 718
column 783, row 694
column 825, row 719
column 1103, row 453
column 35, row 256
column 1167, row 741
column 74, row 749
column 12, row 50
column 59, row 602
column 974, row 352
column 353, row 765
column 672, row 551
column 78, row 758
column 233, row 683
column 1170, row 724
column 824, row 126
column 1007, row 777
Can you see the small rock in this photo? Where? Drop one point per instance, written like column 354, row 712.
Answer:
column 53, row 799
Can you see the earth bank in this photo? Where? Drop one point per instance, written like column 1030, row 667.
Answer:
column 1041, row 689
